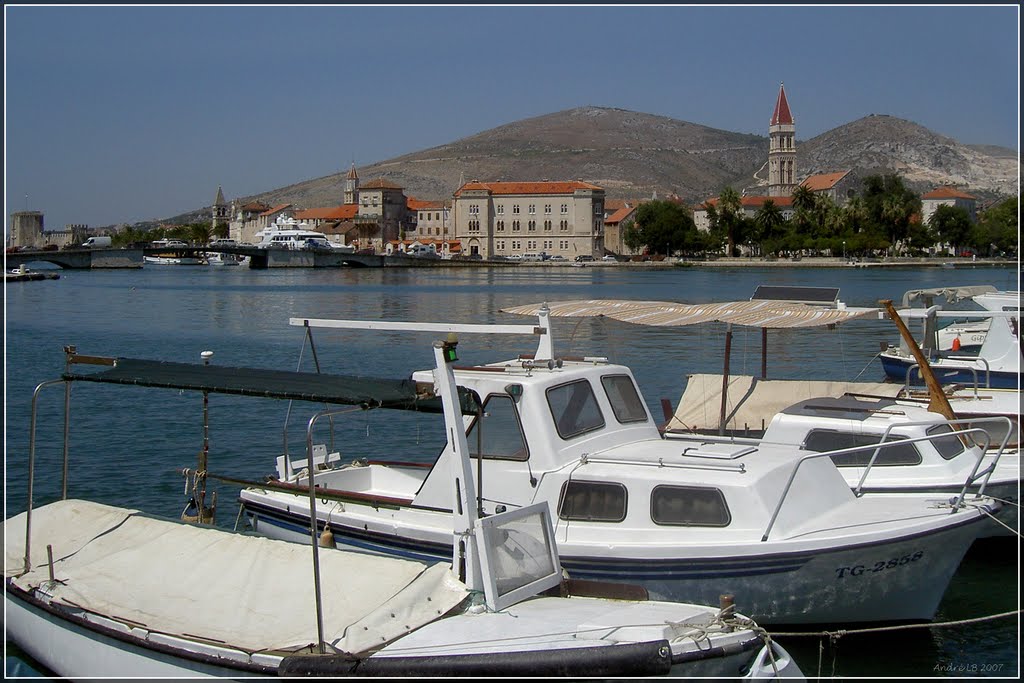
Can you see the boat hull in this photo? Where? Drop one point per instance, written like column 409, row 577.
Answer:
column 823, row 585
column 896, row 368
column 77, row 650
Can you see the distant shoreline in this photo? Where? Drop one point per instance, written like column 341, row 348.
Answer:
column 806, row 262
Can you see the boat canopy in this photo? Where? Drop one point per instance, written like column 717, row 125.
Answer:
column 754, row 402
column 760, row 313
column 368, row 392
column 951, row 294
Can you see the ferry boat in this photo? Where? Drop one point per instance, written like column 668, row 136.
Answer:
column 687, row 523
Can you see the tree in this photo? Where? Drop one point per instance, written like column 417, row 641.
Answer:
column 951, row 224
column 770, row 221
column 727, row 219
column 890, row 206
column 661, row 225
column 998, row 228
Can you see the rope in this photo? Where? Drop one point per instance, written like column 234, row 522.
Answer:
column 834, row 636
column 870, row 362
column 1000, row 522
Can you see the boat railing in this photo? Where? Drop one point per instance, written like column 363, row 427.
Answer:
column 983, row 448
column 972, row 370
column 979, row 432
column 660, row 462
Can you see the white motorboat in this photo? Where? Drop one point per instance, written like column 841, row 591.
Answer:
column 786, row 534
column 997, row 362
column 911, row 463
column 219, row 258
column 172, row 254
column 99, row 591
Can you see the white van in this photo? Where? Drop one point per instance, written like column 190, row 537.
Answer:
column 533, row 256
column 96, row 242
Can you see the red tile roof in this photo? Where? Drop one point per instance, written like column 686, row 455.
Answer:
column 329, row 213
column 423, row 204
column 781, row 115
column 947, row 192
column 545, row 187
column 754, row 201
column 620, row 215
column 823, row 181
column 276, row 209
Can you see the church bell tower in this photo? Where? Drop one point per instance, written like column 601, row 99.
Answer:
column 781, row 149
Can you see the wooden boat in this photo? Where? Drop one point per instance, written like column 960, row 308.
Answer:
column 99, row 591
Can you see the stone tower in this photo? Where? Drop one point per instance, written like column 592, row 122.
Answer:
column 781, row 149
column 221, row 212
column 352, row 186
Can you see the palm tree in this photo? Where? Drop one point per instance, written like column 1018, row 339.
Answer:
column 770, row 219
column 804, row 198
column 729, row 216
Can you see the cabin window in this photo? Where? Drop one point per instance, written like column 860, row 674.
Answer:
column 689, row 506
column 574, row 409
column 591, row 501
column 824, row 440
column 948, row 446
column 498, row 434
column 625, row 399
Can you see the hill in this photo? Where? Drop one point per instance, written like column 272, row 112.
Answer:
column 633, row 155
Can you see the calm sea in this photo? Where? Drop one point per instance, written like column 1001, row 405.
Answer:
column 129, row 444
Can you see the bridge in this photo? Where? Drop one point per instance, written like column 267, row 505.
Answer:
column 76, row 259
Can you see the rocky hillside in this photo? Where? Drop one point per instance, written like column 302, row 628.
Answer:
column 634, row 155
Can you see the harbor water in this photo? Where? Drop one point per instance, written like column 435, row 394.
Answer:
column 129, row 444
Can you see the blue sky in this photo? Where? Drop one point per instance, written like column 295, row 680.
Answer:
column 121, row 114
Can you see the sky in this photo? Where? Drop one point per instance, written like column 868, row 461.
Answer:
column 120, row 114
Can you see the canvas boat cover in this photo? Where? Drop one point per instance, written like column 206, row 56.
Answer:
column 761, row 313
column 752, row 402
column 249, row 592
column 369, row 392
column 951, row 294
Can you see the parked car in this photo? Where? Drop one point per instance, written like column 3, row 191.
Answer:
column 533, row 256
column 557, row 257
column 610, row 258
column 584, row 258
column 50, row 247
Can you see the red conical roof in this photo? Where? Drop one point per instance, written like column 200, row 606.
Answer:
column 781, row 115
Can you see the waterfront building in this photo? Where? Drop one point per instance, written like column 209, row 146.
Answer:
column 948, row 196
column 618, row 215
column 511, row 218
column 27, row 232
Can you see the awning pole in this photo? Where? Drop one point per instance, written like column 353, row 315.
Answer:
column 764, row 353
column 725, row 377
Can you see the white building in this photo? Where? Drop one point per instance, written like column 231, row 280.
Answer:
column 506, row 218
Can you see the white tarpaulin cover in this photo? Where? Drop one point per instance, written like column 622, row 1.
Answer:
column 250, row 592
column 950, row 294
column 753, row 402
column 764, row 313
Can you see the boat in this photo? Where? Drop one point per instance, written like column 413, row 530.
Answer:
column 23, row 274
column 94, row 590
column 175, row 260
column 787, row 534
column 914, row 464
column 291, row 234
column 172, row 254
column 219, row 258
column 997, row 361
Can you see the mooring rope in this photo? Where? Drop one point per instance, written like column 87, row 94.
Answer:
column 1000, row 522
column 836, row 635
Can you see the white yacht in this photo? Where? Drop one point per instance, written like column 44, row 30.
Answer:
column 291, row 234
column 785, row 534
